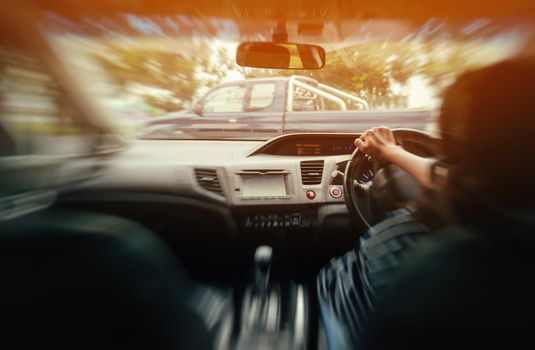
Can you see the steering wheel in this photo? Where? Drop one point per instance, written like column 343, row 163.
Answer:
column 372, row 188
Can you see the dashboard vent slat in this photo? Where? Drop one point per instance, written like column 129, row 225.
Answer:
column 208, row 180
column 311, row 172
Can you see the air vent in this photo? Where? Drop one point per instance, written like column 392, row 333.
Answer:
column 207, row 179
column 311, row 172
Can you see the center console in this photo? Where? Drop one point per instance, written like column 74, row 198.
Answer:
column 277, row 219
column 273, row 314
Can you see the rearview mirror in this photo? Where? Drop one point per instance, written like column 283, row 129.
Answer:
column 280, row 55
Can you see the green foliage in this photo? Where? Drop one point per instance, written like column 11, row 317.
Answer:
column 181, row 74
column 371, row 70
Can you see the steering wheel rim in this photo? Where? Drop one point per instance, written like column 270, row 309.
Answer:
column 357, row 196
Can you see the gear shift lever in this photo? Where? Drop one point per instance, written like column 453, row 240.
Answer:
column 262, row 308
column 262, row 267
column 267, row 320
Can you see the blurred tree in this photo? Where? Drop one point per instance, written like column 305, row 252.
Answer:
column 375, row 71
column 171, row 79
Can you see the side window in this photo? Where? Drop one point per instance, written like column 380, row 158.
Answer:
column 305, row 100
column 34, row 113
column 226, row 99
column 262, row 96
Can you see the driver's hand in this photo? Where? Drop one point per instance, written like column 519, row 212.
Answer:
column 377, row 143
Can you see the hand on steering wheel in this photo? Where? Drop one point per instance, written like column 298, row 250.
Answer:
column 390, row 187
column 377, row 143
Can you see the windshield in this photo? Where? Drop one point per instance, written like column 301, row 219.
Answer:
column 176, row 77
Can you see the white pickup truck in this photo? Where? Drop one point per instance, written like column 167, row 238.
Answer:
column 267, row 107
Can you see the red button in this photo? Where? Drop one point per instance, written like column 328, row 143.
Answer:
column 311, row 195
column 336, row 192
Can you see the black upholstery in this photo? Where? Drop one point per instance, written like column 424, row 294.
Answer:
column 79, row 280
column 464, row 288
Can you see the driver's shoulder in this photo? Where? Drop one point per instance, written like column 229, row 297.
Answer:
column 461, row 255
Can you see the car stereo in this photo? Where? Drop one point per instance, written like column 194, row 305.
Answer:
column 263, row 184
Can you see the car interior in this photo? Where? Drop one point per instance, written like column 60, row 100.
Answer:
column 251, row 220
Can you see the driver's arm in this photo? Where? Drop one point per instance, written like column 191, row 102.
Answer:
column 379, row 143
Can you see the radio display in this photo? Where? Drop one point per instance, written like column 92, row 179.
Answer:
column 263, row 186
column 308, row 149
column 325, row 148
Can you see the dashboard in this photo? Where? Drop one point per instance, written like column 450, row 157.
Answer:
column 291, row 169
column 286, row 189
column 282, row 183
column 303, row 145
column 291, row 181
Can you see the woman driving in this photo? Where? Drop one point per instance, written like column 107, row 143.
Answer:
column 468, row 276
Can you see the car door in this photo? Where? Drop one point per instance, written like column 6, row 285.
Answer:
column 264, row 108
column 220, row 110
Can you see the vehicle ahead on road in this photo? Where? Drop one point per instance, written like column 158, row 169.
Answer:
column 267, row 107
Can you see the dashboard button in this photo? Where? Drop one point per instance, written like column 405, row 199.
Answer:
column 296, row 219
column 311, row 194
column 336, row 192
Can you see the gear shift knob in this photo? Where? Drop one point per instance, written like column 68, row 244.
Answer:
column 262, row 263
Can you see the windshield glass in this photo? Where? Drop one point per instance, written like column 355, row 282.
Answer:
column 176, row 77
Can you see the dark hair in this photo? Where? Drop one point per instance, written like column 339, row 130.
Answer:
column 487, row 123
